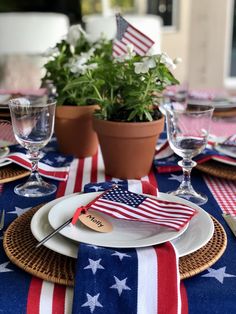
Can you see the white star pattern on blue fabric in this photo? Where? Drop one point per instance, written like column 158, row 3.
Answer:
column 123, row 196
column 94, row 265
column 219, row 274
column 96, row 188
column 120, row 285
column 60, row 159
column 94, row 246
column 175, row 177
column 116, row 180
column 4, row 269
column 19, row 211
column 92, row 302
column 48, row 162
column 120, row 255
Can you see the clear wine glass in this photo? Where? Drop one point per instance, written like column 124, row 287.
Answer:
column 33, row 124
column 187, row 130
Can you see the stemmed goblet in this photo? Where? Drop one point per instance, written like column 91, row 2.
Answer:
column 33, row 124
column 187, row 130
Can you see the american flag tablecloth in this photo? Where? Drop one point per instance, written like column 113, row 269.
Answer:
column 212, row 291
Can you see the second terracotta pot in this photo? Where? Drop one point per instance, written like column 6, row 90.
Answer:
column 74, row 131
column 128, row 147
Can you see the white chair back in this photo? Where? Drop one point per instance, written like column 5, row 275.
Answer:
column 31, row 32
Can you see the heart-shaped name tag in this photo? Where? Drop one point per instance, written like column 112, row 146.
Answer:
column 94, row 221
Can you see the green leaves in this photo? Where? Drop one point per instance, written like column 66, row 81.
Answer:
column 125, row 88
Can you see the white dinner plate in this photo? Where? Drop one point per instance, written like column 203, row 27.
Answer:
column 198, row 233
column 125, row 234
column 5, row 163
column 220, row 104
column 228, row 151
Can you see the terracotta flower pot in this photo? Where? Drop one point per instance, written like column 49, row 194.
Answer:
column 128, row 147
column 74, row 131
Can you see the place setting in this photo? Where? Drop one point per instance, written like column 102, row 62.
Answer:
column 29, row 119
column 199, row 243
column 217, row 155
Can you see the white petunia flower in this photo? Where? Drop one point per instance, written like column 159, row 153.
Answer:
column 51, row 52
column 168, row 61
column 74, row 34
column 126, row 56
column 143, row 67
column 150, row 62
column 78, row 64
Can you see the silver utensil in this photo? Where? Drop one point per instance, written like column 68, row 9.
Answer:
column 2, row 220
column 54, row 233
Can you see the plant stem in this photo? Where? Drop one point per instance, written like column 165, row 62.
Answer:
column 147, row 88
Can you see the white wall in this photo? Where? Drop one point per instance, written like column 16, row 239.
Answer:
column 209, row 43
column 176, row 42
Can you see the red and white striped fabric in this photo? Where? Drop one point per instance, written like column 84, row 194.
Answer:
column 127, row 34
column 7, row 136
column 56, row 173
column 48, row 298
column 224, row 192
column 161, row 292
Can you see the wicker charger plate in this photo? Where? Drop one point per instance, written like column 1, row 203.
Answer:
column 19, row 245
column 218, row 169
column 12, row 172
column 226, row 113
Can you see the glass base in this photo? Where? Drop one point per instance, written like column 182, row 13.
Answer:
column 35, row 189
column 190, row 195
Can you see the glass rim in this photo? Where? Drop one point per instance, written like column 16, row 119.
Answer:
column 38, row 101
column 205, row 108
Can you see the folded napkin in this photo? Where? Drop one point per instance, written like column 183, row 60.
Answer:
column 52, row 165
column 142, row 280
column 166, row 160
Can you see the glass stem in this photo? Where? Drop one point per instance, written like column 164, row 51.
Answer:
column 187, row 165
column 34, row 157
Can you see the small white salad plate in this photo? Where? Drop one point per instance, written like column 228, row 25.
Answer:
column 197, row 234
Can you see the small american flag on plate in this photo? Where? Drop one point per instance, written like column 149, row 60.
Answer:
column 122, row 204
column 127, row 34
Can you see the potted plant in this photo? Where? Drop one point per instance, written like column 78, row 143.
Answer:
column 75, row 58
column 128, row 121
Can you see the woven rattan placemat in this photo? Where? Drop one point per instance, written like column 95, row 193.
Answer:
column 19, row 245
column 225, row 113
column 218, row 169
column 12, row 172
